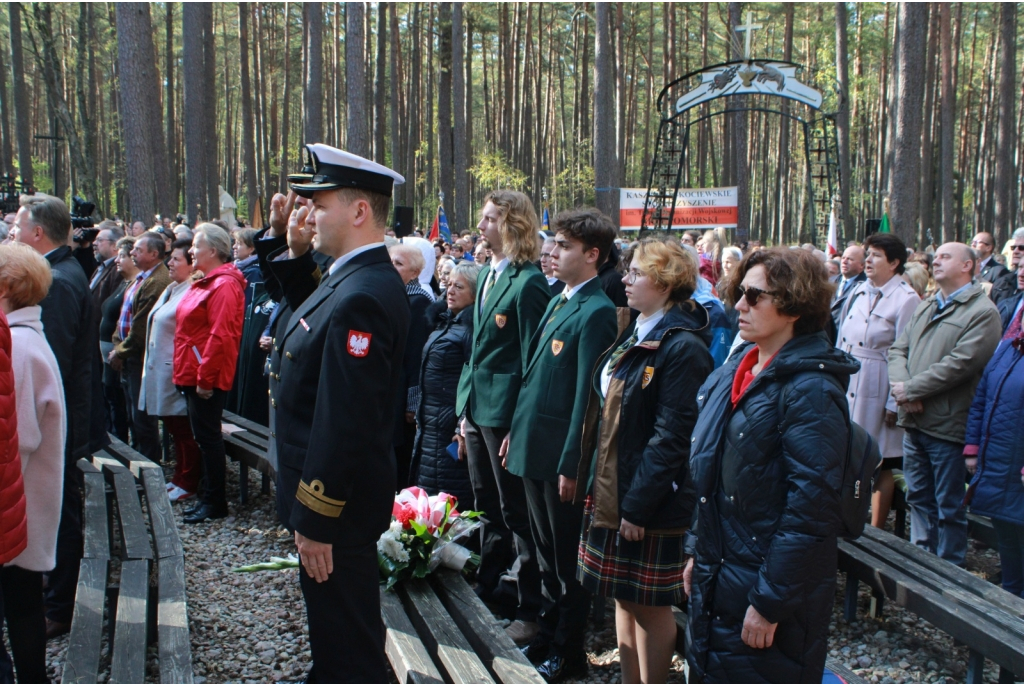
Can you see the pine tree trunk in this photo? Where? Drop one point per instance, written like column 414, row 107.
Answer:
column 380, row 116
column 196, row 201
column 739, row 169
column 313, row 84
column 171, row 142
column 355, row 80
column 946, row 127
column 843, row 118
column 248, row 134
column 397, row 162
column 210, row 115
column 444, row 102
column 6, row 146
column 462, row 133
column 605, row 163
column 1005, row 144
column 286, row 103
column 22, row 114
column 905, row 175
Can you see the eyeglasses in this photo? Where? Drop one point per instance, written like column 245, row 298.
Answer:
column 1018, row 248
column 632, row 275
column 980, row 242
column 545, row 255
column 752, row 294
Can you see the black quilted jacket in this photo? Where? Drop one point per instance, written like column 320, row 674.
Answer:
column 768, row 513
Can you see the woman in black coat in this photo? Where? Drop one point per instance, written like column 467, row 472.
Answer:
column 641, row 413
column 767, row 464
column 445, row 353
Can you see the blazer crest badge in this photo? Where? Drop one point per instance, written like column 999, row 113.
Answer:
column 500, row 320
column 648, row 376
column 359, row 343
column 556, row 347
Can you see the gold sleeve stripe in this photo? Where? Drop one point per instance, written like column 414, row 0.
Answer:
column 313, row 497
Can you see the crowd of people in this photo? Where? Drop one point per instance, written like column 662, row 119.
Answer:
column 657, row 421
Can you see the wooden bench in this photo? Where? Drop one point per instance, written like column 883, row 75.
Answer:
column 119, row 543
column 975, row 613
column 246, row 442
column 438, row 631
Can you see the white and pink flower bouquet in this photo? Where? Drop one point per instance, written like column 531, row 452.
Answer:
column 423, row 535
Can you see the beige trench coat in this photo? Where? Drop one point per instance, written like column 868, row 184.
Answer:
column 870, row 325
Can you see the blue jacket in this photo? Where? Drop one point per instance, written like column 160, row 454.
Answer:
column 996, row 430
column 722, row 332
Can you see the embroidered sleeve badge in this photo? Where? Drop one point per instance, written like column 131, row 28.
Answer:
column 359, row 343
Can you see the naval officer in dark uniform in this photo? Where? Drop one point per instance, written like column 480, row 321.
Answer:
column 334, row 378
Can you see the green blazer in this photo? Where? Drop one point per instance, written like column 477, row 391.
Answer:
column 547, row 430
column 502, row 331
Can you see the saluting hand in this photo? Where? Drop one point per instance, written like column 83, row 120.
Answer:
column 316, row 557
column 300, row 232
column 280, row 210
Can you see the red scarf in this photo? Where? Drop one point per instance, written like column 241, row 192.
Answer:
column 744, row 374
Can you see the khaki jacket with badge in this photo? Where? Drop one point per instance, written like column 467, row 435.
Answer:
column 939, row 359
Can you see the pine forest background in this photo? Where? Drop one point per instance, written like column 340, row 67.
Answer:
column 158, row 104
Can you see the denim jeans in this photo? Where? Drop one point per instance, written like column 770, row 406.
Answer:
column 1011, row 555
column 935, row 474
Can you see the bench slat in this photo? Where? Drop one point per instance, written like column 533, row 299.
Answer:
column 248, row 425
column 1001, row 646
column 82, row 660
column 440, row 634
column 131, row 459
column 962, row 578
column 161, row 518
column 129, row 509
column 128, row 660
column 97, row 538
column 408, row 656
column 474, row 619
column 172, row 622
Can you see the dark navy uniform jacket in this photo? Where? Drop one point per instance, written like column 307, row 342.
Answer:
column 335, row 372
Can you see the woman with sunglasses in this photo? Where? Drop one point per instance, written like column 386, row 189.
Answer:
column 875, row 314
column 641, row 413
column 767, row 465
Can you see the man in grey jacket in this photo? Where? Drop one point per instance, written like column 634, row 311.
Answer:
column 934, row 368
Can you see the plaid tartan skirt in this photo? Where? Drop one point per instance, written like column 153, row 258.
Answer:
column 648, row 572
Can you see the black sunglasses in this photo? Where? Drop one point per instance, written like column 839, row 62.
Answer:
column 1018, row 248
column 752, row 294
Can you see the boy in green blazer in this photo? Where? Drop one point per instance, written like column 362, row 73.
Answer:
column 544, row 447
column 511, row 296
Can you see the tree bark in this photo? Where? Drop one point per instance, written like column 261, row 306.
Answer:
column 843, row 118
column 444, row 102
column 22, row 115
column 395, row 103
column 7, row 149
column 606, row 165
column 905, row 175
column 286, row 103
column 196, row 201
column 380, row 116
column 248, row 134
column 947, row 109
column 1004, row 171
column 739, row 166
column 172, row 144
column 355, row 81
column 313, row 84
column 462, row 134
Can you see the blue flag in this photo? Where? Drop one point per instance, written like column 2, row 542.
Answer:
column 442, row 225
column 545, row 222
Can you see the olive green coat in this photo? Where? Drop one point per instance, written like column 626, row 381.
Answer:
column 502, row 332
column 547, row 430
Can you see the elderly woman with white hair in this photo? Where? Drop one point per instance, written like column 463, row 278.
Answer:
column 410, row 262
column 206, row 343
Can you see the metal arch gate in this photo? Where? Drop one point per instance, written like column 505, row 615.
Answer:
column 761, row 80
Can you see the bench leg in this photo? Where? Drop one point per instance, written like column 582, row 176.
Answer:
column 850, row 599
column 166, row 443
column 265, row 485
column 877, row 602
column 976, row 667
column 243, row 482
column 900, row 524
column 1006, row 675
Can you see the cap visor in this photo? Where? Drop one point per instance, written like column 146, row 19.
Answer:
column 307, row 189
column 300, row 178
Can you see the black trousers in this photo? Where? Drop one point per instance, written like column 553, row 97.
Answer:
column 205, row 418
column 26, row 624
column 556, row 529
column 346, row 636
column 62, row 581
column 507, row 535
column 145, row 432
column 116, row 411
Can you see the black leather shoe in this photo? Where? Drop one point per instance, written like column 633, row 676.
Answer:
column 205, row 512
column 193, row 509
column 558, row 669
column 536, row 652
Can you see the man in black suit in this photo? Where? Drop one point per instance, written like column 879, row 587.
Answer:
column 852, row 268
column 44, row 223
column 1005, row 287
column 989, row 270
column 335, row 372
column 105, row 280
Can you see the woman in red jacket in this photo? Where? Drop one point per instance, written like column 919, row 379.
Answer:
column 206, row 343
column 13, row 524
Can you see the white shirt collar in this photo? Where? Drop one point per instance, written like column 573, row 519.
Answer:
column 552, row 280
column 348, row 256
column 501, row 266
column 645, row 326
column 569, row 292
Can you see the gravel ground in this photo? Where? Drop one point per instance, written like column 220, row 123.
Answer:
column 252, row 628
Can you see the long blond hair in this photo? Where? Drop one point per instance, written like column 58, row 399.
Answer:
column 519, row 226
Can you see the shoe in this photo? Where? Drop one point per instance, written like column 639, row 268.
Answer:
column 536, row 652
column 171, row 486
column 56, row 629
column 558, row 669
column 179, row 494
column 205, row 512
column 522, row 632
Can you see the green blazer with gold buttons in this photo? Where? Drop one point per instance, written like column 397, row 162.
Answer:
column 503, row 328
column 547, row 429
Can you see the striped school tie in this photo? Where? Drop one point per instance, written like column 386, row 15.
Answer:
column 562, row 299
column 622, row 349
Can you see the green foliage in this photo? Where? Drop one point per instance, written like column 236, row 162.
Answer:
column 492, row 170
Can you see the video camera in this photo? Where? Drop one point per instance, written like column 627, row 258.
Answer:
column 81, row 217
